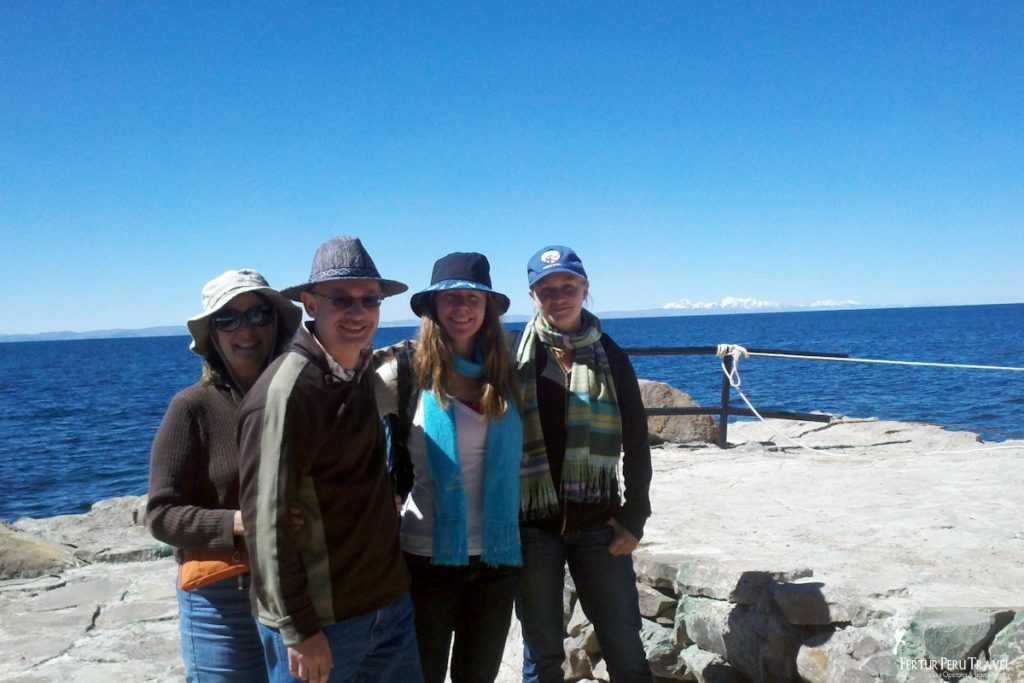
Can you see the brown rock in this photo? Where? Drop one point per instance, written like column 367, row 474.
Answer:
column 675, row 428
column 24, row 556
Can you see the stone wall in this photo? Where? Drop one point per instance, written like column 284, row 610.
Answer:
column 714, row 622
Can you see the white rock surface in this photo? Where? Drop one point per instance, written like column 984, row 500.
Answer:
column 758, row 536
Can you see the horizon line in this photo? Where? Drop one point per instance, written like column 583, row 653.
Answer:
column 182, row 330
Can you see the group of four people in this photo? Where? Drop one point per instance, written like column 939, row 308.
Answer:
column 511, row 450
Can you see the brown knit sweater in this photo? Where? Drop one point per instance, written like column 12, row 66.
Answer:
column 193, row 470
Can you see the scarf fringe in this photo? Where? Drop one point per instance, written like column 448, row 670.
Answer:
column 585, row 481
column 503, row 544
column 450, row 548
column 537, row 498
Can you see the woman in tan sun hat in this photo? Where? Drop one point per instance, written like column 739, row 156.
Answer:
column 193, row 477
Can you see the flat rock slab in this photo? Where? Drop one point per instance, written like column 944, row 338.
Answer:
column 100, row 622
column 890, row 510
column 109, row 532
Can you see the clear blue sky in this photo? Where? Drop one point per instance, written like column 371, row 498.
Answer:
column 788, row 152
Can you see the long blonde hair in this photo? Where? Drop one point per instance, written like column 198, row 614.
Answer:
column 433, row 361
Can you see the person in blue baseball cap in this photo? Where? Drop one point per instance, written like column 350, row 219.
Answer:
column 458, row 419
column 582, row 417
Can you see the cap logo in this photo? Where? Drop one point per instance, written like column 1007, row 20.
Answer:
column 551, row 257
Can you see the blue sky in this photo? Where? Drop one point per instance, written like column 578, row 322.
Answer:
column 782, row 152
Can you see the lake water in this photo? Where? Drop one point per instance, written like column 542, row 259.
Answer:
column 77, row 417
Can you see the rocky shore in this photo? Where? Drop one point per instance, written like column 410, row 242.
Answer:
column 894, row 554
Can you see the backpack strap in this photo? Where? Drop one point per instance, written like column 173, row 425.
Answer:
column 401, row 461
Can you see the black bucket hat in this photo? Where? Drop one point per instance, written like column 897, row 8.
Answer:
column 460, row 270
column 344, row 258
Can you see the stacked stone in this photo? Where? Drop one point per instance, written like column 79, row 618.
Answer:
column 713, row 622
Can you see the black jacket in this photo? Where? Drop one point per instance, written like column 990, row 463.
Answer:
column 632, row 506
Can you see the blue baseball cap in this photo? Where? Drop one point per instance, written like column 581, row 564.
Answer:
column 554, row 259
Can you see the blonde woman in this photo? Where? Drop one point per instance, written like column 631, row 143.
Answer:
column 583, row 417
column 460, row 532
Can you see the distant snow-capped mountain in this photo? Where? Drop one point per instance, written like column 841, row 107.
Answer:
column 746, row 303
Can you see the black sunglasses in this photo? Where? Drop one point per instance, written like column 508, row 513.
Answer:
column 229, row 319
column 345, row 302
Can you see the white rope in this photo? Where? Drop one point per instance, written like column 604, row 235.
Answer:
column 976, row 450
column 880, row 362
column 735, row 351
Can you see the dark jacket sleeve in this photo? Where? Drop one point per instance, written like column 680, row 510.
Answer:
column 176, row 481
column 272, row 458
column 636, row 449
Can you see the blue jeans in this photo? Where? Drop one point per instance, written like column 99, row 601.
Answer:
column 219, row 640
column 606, row 587
column 474, row 603
column 376, row 647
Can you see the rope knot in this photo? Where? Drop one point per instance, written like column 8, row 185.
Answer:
column 734, row 350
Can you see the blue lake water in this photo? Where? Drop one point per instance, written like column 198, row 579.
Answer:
column 77, row 417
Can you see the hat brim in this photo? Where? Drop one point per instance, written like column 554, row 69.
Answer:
column 387, row 287
column 420, row 299
column 288, row 315
column 553, row 270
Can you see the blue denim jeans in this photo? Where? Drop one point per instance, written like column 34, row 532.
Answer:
column 606, row 587
column 474, row 603
column 376, row 647
column 219, row 640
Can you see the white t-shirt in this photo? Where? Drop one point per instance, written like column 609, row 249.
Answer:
column 417, row 536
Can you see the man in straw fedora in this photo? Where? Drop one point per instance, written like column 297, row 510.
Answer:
column 331, row 596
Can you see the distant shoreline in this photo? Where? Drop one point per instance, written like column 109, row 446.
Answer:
column 182, row 331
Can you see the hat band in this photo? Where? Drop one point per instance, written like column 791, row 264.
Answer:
column 354, row 273
column 458, row 284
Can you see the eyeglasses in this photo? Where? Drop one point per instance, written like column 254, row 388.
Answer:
column 344, row 302
column 229, row 320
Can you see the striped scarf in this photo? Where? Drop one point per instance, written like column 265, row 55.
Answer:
column 594, row 427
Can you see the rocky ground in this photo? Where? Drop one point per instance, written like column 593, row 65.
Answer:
column 894, row 554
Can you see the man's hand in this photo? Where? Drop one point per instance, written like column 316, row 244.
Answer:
column 624, row 542
column 310, row 660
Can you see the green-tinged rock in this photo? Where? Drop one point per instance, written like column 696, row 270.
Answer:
column 682, row 639
column 581, row 632
column 654, row 603
column 733, row 581
column 950, row 636
column 706, row 622
column 662, row 651
column 761, row 645
column 813, row 603
column 707, row 667
column 577, row 662
column 1008, row 644
column 659, row 570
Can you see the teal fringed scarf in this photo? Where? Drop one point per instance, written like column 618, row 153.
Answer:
column 501, row 484
column 594, row 429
